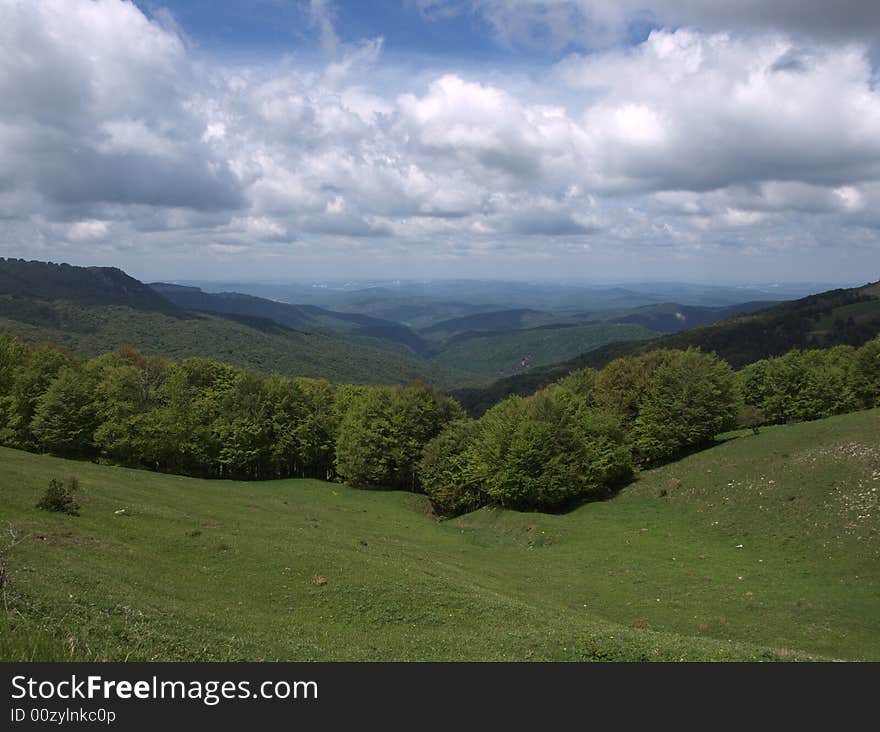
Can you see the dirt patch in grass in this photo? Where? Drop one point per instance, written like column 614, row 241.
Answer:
column 64, row 537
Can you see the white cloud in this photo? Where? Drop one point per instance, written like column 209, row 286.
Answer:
column 90, row 229
column 113, row 134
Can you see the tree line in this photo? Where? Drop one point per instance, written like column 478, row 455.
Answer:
column 580, row 437
column 811, row 384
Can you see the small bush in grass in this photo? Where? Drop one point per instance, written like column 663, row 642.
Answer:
column 59, row 497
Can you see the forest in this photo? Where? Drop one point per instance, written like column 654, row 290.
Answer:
column 579, row 438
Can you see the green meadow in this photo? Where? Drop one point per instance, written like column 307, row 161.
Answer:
column 764, row 547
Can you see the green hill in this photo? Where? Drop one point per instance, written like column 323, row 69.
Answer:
column 836, row 317
column 764, row 547
column 492, row 322
column 25, row 281
column 309, row 317
column 95, row 310
column 253, row 343
column 518, row 350
column 672, row 317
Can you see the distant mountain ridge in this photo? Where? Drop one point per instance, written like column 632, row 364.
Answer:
column 673, row 317
column 837, row 317
column 301, row 317
column 93, row 310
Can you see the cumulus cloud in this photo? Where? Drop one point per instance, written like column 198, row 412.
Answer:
column 96, row 109
column 115, row 137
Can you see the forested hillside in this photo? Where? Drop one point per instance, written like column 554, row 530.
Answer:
column 95, row 310
column 579, row 438
column 304, row 317
column 837, row 317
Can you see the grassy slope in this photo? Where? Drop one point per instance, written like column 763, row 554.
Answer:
column 260, row 345
column 501, row 353
column 221, row 570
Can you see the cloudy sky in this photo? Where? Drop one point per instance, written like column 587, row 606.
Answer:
column 592, row 140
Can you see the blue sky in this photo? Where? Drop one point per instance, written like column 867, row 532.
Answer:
column 577, row 139
column 263, row 28
column 266, row 27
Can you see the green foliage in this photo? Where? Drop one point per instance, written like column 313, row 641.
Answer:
column 495, row 354
column 536, row 454
column 578, row 387
column 126, row 397
column 65, row 417
column 59, row 497
column 28, row 379
column 575, row 439
column 691, row 398
column 866, row 374
column 444, row 470
column 807, row 385
column 383, row 432
column 620, row 387
column 838, row 317
column 751, row 417
column 252, row 343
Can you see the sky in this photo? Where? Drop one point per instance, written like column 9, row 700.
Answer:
column 578, row 140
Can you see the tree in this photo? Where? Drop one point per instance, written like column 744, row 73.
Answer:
column 64, row 420
column 384, row 430
column 535, row 454
column 866, row 374
column 181, row 434
column 619, row 388
column 803, row 385
column 127, row 390
column 691, row 397
column 242, row 428
column 365, row 445
column 445, row 471
column 30, row 380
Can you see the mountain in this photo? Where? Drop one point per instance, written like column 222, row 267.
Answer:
column 309, row 317
column 489, row 322
column 660, row 318
column 422, row 304
column 517, row 351
column 837, row 317
column 502, row 342
column 673, row 317
column 92, row 310
column 81, row 285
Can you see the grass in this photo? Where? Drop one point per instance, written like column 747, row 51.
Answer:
column 763, row 547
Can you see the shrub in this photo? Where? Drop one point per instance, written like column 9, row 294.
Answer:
column 59, row 497
column 444, row 470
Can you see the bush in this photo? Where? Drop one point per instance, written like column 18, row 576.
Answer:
column 444, row 470
column 59, row 497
